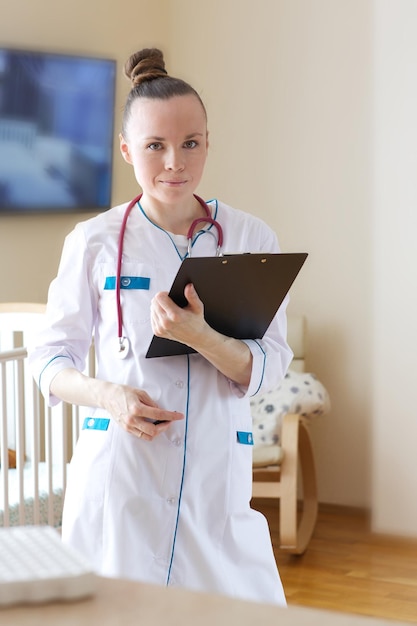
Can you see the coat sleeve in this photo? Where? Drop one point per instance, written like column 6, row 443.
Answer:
column 65, row 337
column 271, row 354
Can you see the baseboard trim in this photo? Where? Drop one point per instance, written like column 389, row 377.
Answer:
column 344, row 509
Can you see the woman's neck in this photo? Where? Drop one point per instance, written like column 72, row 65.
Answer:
column 176, row 219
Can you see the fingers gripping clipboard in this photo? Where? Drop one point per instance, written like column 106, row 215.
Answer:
column 241, row 294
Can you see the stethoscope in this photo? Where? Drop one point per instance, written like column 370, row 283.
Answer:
column 124, row 344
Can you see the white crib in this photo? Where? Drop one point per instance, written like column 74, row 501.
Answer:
column 41, row 438
column 31, row 492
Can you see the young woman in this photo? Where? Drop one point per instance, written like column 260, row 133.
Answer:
column 160, row 482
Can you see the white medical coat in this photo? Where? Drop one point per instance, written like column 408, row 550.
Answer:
column 174, row 511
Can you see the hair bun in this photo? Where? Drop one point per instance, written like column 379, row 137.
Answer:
column 147, row 64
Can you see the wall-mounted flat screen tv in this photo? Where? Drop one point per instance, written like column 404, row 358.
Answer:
column 56, row 132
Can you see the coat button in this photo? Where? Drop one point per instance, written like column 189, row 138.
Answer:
column 179, row 384
column 171, row 500
column 125, row 281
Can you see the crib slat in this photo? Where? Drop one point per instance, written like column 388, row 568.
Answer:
column 20, row 430
column 35, row 455
column 64, row 448
column 4, row 471
column 12, row 411
column 49, row 463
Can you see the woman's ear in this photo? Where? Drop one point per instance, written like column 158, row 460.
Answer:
column 124, row 149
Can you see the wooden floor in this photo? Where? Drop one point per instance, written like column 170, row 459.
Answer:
column 347, row 569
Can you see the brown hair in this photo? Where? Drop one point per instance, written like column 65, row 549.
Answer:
column 149, row 78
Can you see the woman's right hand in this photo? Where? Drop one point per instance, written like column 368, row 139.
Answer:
column 133, row 409
column 136, row 412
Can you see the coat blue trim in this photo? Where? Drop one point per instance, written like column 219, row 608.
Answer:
column 263, row 366
column 182, row 475
column 194, row 239
column 58, row 356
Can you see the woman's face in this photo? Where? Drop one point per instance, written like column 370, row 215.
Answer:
column 166, row 142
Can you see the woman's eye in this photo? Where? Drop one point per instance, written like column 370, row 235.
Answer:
column 154, row 146
column 190, row 144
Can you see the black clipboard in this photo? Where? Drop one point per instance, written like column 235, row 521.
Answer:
column 241, row 294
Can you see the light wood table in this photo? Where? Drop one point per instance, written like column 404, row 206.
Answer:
column 127, row 603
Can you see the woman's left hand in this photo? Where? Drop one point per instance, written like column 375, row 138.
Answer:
column 187, row 325
column 170, row 321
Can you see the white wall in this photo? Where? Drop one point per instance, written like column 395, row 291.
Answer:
column 394, row 501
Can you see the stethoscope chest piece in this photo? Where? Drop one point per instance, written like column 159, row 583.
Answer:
column 123, row 346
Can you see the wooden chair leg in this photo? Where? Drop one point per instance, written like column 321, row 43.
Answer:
column 296, row 529
column 288, row 483
column 308, row 516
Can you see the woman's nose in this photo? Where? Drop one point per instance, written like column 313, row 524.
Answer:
column 174, row 160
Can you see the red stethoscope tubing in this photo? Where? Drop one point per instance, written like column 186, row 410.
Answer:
column 132, row 203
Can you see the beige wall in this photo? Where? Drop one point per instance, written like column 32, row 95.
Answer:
column 30, row 246
column 290, row 89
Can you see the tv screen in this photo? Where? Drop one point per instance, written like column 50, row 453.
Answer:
column 56, row 132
